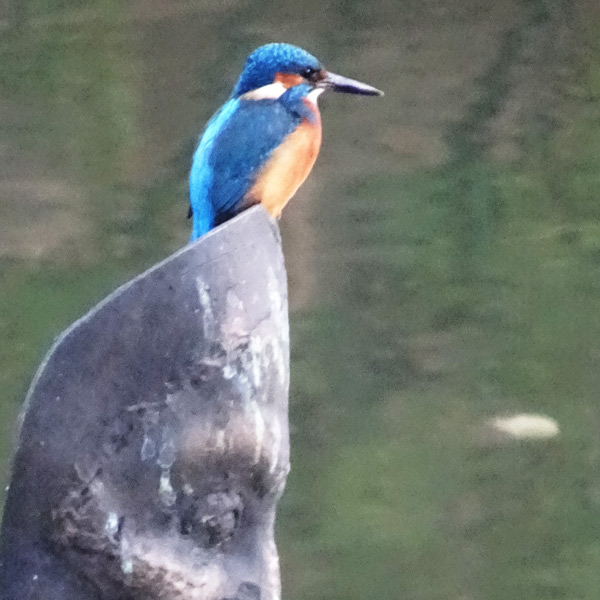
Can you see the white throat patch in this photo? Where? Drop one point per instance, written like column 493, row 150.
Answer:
column 314, row 95
column 275, row 90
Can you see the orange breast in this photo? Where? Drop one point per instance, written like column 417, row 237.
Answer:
column 287, row 168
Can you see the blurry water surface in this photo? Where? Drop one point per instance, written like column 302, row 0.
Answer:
column 443, row 258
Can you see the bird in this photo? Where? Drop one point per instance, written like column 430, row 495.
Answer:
column 261, row 145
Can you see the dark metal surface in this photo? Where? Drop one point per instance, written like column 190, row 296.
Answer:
column 154, row 443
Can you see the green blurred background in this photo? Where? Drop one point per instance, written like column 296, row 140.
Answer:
column 443, row 258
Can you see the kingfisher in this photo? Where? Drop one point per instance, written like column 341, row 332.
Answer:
column 260, row 146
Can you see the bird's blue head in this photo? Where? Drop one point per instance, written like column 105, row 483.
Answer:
column 292, row 66
column 276, row 62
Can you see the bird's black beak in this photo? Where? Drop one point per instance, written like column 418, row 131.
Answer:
column 337, row 83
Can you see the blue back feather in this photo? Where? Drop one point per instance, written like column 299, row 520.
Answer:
column 237, row 142
column 203, row 208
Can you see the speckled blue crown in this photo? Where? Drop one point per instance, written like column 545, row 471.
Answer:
column 268, row 60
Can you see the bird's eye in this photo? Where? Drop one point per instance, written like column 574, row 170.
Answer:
column 310, row 73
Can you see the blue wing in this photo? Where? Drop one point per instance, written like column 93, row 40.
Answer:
column 201, row 177
column 237, row 142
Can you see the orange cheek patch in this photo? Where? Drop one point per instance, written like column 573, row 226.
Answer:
column 288, row 79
